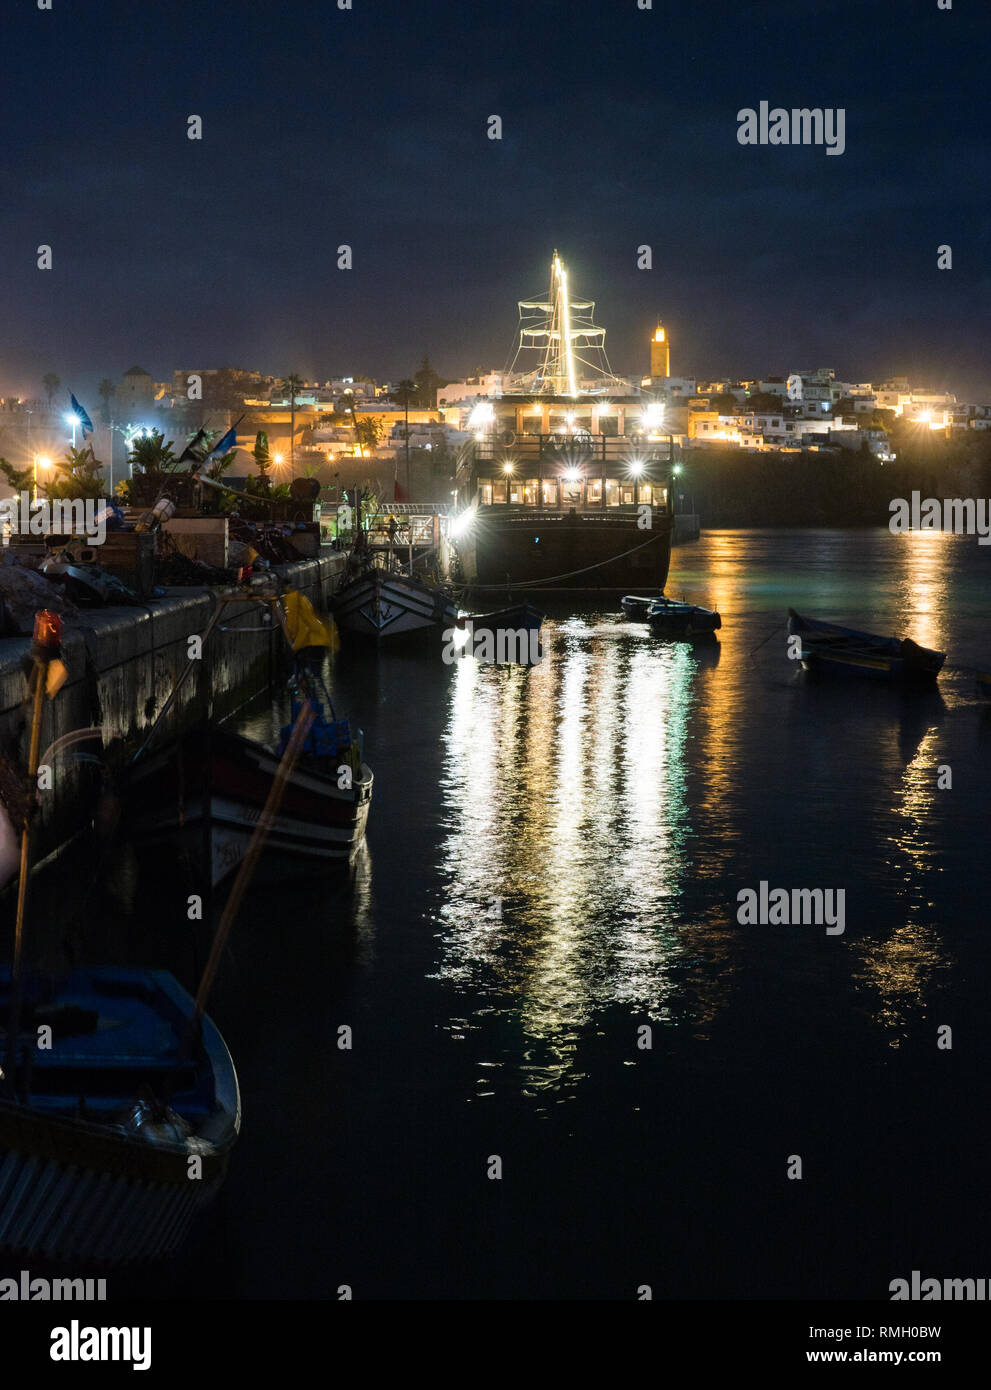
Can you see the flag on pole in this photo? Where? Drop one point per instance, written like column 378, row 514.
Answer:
column 192, row 449
column 84, row 419
column 229, row 441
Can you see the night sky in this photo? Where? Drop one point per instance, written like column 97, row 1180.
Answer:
column 368, row 127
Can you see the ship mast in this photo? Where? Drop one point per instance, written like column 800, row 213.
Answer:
column 560, row 328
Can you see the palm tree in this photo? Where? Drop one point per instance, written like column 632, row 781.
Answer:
column 263, row 460
column 106, row 390
column 406, row 392
column 292, row 385
column 79, row 474
column 51, row 384
column 151, row 453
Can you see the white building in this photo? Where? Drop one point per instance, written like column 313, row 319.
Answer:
column 432, row 435
column 678, row 388
column 489, row 385
column 766, row 430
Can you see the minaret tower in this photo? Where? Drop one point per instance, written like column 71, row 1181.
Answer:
column 660, row 353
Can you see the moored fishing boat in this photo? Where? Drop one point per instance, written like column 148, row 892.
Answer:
column 379, row 596
column 384, row 603
column 508, row 636
column 668, row 618
column 635, row 606
column 847, row 651
column 114, row 1130
column 208, row 794
column 519, row 616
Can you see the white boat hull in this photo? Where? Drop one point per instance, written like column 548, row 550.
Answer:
column 381, row 604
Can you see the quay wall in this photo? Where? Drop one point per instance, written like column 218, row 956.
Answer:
column 686, row 528
column 122, row 665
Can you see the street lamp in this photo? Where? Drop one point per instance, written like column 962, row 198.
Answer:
column 131, row 433
column 45, row 462
column 73, row 420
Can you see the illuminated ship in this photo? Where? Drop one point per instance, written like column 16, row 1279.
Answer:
column 566, row 480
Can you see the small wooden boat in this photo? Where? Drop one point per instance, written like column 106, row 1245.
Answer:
column 984, row 684
column 209, row 793
column 846, row 651
column 383, row 603
column 522, row 616
column 115, row 1128
column 635, row 606
column 668, row 618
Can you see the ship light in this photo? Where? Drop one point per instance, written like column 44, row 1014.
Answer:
column 653, row 415
column 636, row 468
column 461, row 525
column 507, row 467
column 572, row 476
column 482, row 414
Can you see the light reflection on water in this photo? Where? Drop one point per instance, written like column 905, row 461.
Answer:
column 566, row 799
column 599, row 812
column 900, row 966
column 602, row 809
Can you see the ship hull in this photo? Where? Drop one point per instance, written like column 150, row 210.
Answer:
column 566, row 552
column 381, row 605
column 209, row 795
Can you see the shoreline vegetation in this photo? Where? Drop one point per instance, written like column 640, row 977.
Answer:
column 733, row 487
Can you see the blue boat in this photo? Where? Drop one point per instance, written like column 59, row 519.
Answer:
column 682, row 621
column 669, row 618
column 117, row 1124
column 846, row 651
column 635, row 606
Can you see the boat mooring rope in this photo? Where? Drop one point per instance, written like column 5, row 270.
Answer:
column 754, row 650
column 534, row 583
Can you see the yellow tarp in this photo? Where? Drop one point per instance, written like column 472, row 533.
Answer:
column 306, row 629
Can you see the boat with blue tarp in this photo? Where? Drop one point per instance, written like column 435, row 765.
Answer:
column 119, row 1096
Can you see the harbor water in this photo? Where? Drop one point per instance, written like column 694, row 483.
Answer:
column 528, row 1050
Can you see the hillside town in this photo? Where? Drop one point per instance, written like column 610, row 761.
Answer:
column 401, row 438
